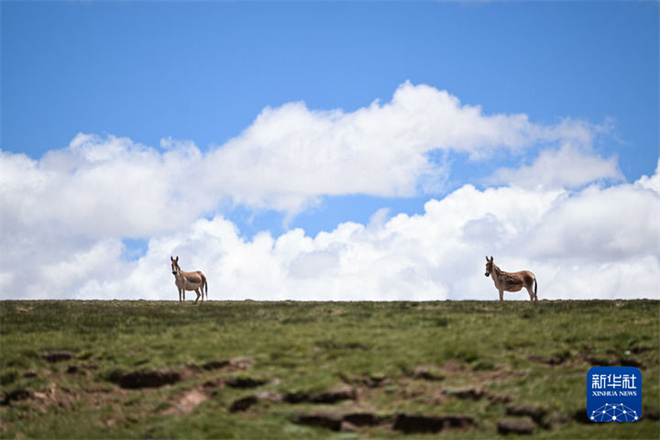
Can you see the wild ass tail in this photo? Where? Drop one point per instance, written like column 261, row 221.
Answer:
column 535, row 289
column 206, row 286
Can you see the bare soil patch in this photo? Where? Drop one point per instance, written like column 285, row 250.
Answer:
column 148, row 379
column 187, row 402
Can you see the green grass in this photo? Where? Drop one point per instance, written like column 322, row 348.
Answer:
column 537, row 355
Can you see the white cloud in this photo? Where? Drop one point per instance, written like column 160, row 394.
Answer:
column 103, row 187
column 72, row 274
column 600, row 224
column 653, row 182
column 64, row 216
column 291, row 155
column 439, row 254
column 287, row 160
column 567, row 167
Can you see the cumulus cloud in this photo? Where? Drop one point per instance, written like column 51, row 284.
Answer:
column 291, row 155
column 65, row 215
column 440, row 253
column 652, row 182
column 103, row 187
column 432, row 256
column 610, row 224
column 567, row 167
column 287, row 160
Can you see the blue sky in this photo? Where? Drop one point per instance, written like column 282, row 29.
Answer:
column 206, row 72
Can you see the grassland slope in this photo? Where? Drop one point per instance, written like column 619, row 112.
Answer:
column 140, row 369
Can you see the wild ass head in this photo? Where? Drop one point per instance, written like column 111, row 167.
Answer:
column 175, row 265
column 489, row 265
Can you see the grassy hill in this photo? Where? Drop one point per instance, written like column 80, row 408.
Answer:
column 140, row 369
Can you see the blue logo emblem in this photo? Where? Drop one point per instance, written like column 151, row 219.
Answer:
column 614, row 394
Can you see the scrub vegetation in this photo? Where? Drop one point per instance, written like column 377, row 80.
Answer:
column 142, row 369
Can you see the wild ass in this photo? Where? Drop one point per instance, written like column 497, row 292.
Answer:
column 189, row 281
column 511, row 282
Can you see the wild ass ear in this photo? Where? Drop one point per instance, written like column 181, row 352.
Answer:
column 177, row 259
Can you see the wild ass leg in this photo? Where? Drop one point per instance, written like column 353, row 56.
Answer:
column 197, row 292
column 531, row 293
column 501, row 295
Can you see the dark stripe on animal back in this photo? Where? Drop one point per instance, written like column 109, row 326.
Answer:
column 193, row 278
column 513, row 280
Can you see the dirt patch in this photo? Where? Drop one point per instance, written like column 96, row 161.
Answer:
column 58, row 356
column 365, row 419
column 536, row 413
column 188, row 402
column 468, row 393
column 245, row 403
column 245, row 382
column 17, row 396
column 651, row 414
column 421, row 424
column 337, row 422
column 630, row 362
column 426, row 373
column 214, row 365
column 231, row 365
column 62, row 397
column 147, row 379
column 581, row 416
column 516, row 426
column 324, row 397
column 320, row 420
